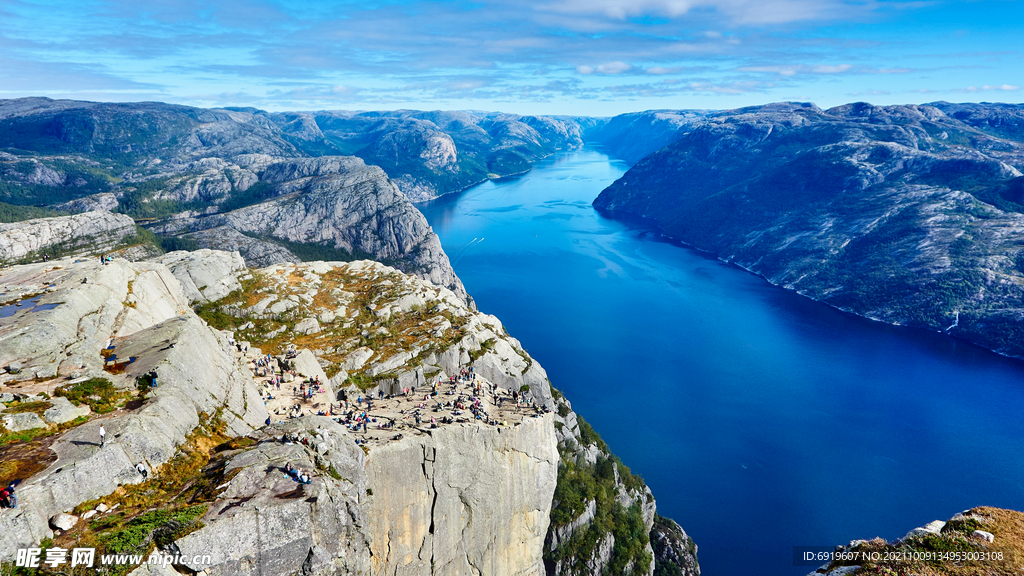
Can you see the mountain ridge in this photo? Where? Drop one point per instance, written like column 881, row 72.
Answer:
column 902, row 213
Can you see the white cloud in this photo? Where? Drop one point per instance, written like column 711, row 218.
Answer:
column 800, row 69
column 660, row 70
column 781, row 70
column 752, row 12
column 607, row 68
column 987, row 88
column 831, row 69
column 614, row 68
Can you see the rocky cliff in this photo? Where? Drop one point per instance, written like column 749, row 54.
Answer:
column 465, row 500
column 464, row 481
column 97, row 231
column 331, row 207
column 635, row 135
column 904, row 214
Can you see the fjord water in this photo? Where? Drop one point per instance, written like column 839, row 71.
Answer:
column 760, row 419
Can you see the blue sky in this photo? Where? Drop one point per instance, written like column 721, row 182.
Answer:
column 588, row 57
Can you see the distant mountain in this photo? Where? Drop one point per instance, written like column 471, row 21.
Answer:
column 635, row 135
column 429, row 154
column 54, row 151
column 911, row 215
column 157, row 161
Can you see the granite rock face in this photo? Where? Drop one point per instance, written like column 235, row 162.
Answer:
column 264, row 522
column 138, row 312
column 205, row 275
column 905, row 214
column 672, row 547
column 466, row 500
column 91, row 231
column 340, row 204
column 102, row 201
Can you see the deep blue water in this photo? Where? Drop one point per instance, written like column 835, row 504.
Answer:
column 760, row 419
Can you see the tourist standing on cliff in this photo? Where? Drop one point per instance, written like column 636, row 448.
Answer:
column 103, row 436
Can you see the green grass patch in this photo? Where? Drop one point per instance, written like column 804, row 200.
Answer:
column 364, row 381
column 98, row 393
column 216, row 317
column 23, row 407
column 485, row 347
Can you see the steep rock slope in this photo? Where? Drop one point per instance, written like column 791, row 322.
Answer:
column 97, row 231
column 340, row 206
column 635, row 135
column 465, row 500
column 902, row 213
column 119, row 323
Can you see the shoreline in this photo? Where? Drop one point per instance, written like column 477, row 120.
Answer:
column 651, row 226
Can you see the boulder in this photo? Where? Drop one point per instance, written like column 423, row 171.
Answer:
column 14, row 367
column 982, row 535
column 63, row 521
column 357, row 358
column 205, row 275
column 62, row 410
column 933, row 527
column 306, row 364
column 307, row 326
column 23, row 421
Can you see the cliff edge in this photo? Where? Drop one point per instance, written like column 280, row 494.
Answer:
column 323, row 418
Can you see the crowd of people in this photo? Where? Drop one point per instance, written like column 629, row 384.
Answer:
column 459, row 398
column 447, row 399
